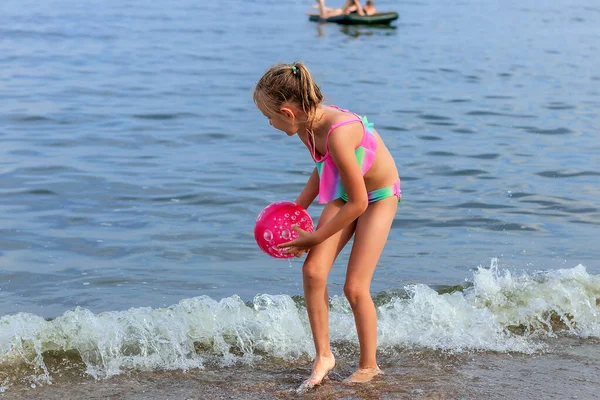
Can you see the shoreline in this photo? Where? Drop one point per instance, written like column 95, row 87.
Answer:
column 570, row 369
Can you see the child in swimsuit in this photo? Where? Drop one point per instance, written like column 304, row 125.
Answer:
column 356, row 177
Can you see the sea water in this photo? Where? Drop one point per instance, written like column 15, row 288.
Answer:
column 133, row 163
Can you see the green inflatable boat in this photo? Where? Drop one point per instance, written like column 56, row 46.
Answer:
column 355, row 19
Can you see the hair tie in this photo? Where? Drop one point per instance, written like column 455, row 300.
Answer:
column 294, row 69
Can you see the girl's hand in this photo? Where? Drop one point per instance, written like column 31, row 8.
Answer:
column 299, row 246
column 300, row 253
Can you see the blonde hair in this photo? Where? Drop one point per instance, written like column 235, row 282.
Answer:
column 288, row 83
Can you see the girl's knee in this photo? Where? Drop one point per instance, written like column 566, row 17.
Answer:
column 314, row 273
column 354, row 293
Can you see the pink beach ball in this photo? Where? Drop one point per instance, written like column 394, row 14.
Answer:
column 274, row 226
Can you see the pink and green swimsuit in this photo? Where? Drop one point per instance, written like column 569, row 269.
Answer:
column 330, row 183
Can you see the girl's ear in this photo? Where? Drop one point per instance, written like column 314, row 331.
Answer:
column 288, row 113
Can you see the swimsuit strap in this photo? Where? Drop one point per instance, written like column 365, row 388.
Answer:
column 313, row 151
column 342, row 123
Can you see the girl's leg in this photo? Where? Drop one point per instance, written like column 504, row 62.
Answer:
column 371, row 233
column 316, row 267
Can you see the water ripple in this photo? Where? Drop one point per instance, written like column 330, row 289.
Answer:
column 566, row 173
column 480, row 113
column 556, row 131
column 163, row 116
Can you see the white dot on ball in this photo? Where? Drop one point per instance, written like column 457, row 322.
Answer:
column 268, row 235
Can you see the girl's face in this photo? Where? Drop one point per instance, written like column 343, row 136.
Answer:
column 281, row 118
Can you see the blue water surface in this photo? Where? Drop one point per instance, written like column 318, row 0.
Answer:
column 133, row 161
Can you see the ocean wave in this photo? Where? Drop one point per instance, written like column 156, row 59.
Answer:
column 496, row 311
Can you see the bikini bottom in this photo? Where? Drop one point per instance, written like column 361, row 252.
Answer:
column 383, row 193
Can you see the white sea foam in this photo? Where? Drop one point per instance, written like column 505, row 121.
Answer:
column 196, row 330
column 480, row 317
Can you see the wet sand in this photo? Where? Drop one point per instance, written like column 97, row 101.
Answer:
column 568, row 370
column 227, row 385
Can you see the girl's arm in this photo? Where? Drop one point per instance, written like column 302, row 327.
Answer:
column 310, row 191
column 342, row 144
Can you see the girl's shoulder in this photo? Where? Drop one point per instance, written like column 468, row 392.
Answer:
column 335, row 110
column 345, row 128
column 337, row 116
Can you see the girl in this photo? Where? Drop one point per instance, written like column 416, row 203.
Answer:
column 356, row 177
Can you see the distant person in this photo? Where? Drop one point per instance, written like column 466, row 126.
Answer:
column 369, row 8
column 351, row 7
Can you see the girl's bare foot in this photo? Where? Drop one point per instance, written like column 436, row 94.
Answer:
column 363, row 375
column 321, row 367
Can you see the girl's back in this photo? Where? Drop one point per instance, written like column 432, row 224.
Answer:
column 383, row 171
